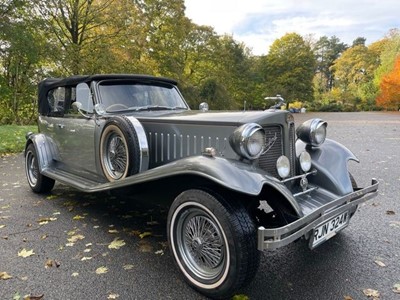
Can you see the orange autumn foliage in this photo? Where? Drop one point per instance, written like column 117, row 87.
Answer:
column 389, row 97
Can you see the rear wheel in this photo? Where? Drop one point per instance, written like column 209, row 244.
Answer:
column 213, row 242
column 38, row 182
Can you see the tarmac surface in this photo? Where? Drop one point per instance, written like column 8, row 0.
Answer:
column 99, row 246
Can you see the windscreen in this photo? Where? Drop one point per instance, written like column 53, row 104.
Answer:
column 121, row 96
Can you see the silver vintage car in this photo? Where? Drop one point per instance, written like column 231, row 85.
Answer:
column 243, row 182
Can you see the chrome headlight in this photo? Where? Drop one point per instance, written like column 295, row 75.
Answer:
column 248, row 140
column 283, row 166
column 305, row 161
column 312, row 132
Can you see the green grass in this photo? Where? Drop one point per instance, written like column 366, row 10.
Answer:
column 12, row 138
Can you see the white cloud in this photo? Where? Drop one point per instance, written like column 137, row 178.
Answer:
column 258, row 23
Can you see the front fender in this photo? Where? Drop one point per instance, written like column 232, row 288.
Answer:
column 231, row 174
column 330, row 160
column 45, row 148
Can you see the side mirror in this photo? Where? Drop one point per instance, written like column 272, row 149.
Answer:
column 76, row 106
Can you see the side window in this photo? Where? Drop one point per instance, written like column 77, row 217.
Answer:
column 56, row 99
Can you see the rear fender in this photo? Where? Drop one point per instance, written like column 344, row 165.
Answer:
column 331, row 162
column 45, row 148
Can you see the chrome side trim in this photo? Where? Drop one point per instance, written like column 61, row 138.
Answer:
column 274, row 238
column 144, row 147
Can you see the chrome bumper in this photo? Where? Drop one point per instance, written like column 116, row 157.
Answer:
column 274, row 238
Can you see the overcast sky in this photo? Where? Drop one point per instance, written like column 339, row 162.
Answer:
column 258, row 23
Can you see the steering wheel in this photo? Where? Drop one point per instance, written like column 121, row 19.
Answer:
column 120, row 105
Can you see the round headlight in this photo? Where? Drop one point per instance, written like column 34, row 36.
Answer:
column 305, row 161
column 312, row 132
column 283, row 166
column 248, row 140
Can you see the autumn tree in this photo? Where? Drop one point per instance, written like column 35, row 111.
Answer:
column 289, row 69
column 389, row 97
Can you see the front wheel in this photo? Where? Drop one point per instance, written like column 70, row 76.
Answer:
column 213, row 242
column 38, row 182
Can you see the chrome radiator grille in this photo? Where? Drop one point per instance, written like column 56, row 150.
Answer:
column 274, row 142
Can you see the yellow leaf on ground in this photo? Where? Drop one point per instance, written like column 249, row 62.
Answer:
column 113, row 231
column 128, row 267
column 380, row 263
column 101, row 270
column 2, row 226
column 75, row 274
column 75, row 238
column 5, row 276
column 116, row 244
column 25, row 253
column 86, row 258
column 78, row 217
column 144, row 234
column 113, row 296
column 371, row 293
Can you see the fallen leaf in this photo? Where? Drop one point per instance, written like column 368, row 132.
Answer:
column 348, row 298
column 128, row 267
column 43, row 237
column 159, row 252
column 86, row 258
column 2, row 226
column 30, row 297
column 396, row 288
column 25, row 253
column 371, row 293
column 116, row 244
column 87, row 250
column 113, row 231
column 240, row 297
column 145, row 234
column 75, row 238
column 75, row 274
column 390, row 212
column 5, row 276
column 43, row 221
column 113, row 296
column 16, row 296
column 78, row 217
column 101, row 270
column 379, row 263
column 69, row 244
column 52, row 197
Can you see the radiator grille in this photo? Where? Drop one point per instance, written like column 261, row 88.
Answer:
column 274, row 142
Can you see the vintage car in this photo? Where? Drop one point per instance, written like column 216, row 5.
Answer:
column 243, row 182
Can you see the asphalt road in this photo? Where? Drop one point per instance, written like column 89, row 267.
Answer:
column 69, row 233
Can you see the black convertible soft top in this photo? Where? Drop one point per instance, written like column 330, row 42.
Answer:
column 50, row 83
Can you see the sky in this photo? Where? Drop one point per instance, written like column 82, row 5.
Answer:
column 258, row 23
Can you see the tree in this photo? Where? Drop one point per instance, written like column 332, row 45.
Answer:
column 326, row 50
column 354, row 71
column 289, row 69
column 389, row 97
column 20, row 55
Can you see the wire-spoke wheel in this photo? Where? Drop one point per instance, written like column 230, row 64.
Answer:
column 38, row 182
column 213, row 242
column 119, row 153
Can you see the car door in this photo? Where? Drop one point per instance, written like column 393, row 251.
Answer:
column 72, row 133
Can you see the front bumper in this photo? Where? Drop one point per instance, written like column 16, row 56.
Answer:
column 274, row 238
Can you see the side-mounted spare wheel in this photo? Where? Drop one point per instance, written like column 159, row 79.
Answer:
column 213, row 241
column 119, row 149
column 38, row 182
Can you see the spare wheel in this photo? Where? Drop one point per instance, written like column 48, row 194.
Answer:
column 120, row 154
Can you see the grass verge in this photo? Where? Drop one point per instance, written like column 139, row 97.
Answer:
column 12, row 138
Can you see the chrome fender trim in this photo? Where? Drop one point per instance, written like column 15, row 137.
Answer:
column 46, row 149
column 143, row 144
